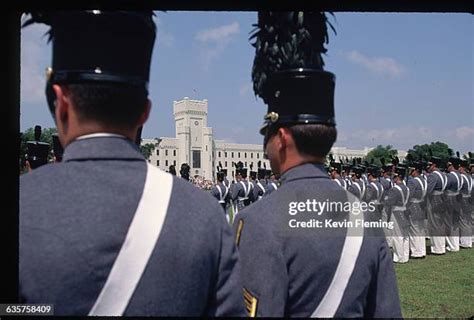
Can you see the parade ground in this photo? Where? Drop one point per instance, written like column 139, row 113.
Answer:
column 437, row 286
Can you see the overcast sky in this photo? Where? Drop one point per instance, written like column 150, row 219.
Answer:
column 401, row 79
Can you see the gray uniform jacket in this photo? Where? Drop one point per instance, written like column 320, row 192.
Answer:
column 287, row 272
column 359, row 191
column 259, row 189
column 270, row 187
column 223, row 195
column 435, row 191
column 341, row 182
column 395, row 201
column 238, row 191
column 374, row 194
column 415, row 204
column 74, row 217
column 453, row 186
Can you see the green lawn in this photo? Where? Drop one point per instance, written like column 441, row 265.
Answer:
column 438, row 286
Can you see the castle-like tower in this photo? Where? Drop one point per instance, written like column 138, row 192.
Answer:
column 194, row 137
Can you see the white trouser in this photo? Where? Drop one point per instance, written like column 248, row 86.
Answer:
column 400, row 242
column 417, row 233
column 452, row 232
column 437, row 229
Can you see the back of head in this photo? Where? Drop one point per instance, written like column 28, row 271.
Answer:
column 220, row 176
column 172, row 170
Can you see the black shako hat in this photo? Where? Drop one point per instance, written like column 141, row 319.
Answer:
column 37, row 153
column 400, row 171
column 373, row 170
column 253, row 175
column 300, row 96
column 99, row 46
column 435, row 160
column 335, row 166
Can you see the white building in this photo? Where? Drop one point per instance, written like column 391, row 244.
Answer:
column 194, row 144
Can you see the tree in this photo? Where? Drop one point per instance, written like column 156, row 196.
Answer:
column 147, row 149
column 381, row 152
column 438, row 149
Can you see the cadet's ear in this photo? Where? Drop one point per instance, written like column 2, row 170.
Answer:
column 146, row 113
column 284, row 137
column 63, row 108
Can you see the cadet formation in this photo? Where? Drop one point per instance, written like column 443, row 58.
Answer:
column 102, row 232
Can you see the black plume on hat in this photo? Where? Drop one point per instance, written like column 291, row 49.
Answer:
column 288, row 70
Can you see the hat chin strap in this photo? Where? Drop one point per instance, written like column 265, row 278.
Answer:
column 298, row 119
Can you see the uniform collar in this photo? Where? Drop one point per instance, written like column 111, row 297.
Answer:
column 304, row 171
column 102, row 146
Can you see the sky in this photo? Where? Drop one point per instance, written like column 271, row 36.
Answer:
column 401, row 78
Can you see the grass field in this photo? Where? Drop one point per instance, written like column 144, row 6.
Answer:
column 438, row 286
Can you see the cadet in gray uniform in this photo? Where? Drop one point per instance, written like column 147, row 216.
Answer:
column 272, row 184
column 104, row 232
column 259, row 190
column 452, row 217
column 374, row 192
column 291, row 271
column 242, row 190
column 396, row 201
column 437, row 207
column 357, row 188
column 335, row 170
column 417, row 231
column 465, row 222
column 220, row 191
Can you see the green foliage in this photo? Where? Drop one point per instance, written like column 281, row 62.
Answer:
column 147, row 149
column 287, row 40
column 438, row 149
column 381, row 152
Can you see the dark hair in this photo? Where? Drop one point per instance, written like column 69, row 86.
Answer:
column 313, row 139
column 109, row 104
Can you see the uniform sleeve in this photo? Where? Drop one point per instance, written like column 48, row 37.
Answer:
column 390, row 198
column 383, row 300
column 255, row 192
column 353, row 190
column 228, row 301
column 415, row 192
column 215, row 193
column 370, row 194
column 252, row 196
column 234, row 191
column 432, row 179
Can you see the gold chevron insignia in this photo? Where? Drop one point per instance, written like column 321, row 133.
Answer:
column 250, row 303
column 239, row 231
